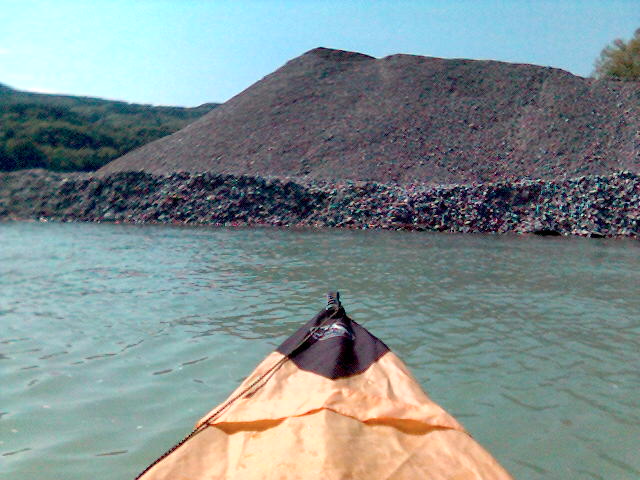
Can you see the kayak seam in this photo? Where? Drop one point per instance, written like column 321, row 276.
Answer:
column 382, row 420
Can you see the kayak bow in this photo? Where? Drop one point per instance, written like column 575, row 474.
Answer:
column 331, row 402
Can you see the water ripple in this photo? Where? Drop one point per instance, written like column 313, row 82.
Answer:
column 130, row 334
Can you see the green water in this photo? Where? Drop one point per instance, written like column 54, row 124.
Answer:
column 114, row 339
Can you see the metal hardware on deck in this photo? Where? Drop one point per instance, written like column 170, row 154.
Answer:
column 333, row 301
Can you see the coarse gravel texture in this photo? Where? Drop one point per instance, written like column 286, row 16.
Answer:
column 595, row 205
column 336, row 115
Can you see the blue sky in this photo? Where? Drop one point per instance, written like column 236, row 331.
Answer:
column 187, row 52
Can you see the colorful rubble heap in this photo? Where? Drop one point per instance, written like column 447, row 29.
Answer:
column 587, row 206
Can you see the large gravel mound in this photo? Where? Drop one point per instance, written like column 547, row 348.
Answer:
column 330, row 114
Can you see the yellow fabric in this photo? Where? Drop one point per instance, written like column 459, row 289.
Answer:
column 384, row 390
column 377, row 425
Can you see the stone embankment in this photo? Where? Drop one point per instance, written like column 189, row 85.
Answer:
column 587, row 206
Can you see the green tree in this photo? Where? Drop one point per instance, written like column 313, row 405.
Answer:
column 26, row 155
column 6, row 161
column 620, row 60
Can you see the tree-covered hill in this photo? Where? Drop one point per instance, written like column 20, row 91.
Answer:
column 66, row 133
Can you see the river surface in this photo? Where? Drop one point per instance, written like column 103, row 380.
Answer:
column 115, row 339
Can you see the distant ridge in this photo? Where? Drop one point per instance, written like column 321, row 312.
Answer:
column 70, row 133
column 332, row 114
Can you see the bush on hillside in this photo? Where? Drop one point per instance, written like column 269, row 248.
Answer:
column 21, row 155
column 620, row 60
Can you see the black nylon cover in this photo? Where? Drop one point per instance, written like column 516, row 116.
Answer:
column 336, row 347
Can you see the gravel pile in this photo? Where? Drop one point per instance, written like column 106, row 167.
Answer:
column 332, row 115
column 591, row 205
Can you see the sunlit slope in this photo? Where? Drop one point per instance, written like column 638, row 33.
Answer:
column 334, row 114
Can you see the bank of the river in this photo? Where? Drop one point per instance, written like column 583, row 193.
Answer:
column 586, row 206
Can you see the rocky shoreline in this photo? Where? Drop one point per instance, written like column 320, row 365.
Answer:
column 596, row 206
